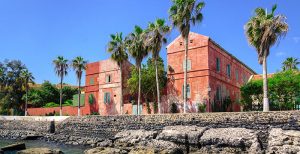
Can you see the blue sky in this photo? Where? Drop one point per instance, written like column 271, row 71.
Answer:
column 37, row 31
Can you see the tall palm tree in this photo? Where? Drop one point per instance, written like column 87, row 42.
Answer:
column 155, row 38
column 27, row 77
column 263, row 31
column 183, row 13
column 290, row 64
column 61, row 69
column 79, row 64
column 117, row 48
column 137, row 50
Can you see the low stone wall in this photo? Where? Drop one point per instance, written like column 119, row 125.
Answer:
column 104, row 130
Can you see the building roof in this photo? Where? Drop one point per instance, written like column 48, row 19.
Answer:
column 211, row 40
column 259, row 76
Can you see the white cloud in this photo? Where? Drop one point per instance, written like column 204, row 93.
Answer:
column 296, row 39
column 280, row 53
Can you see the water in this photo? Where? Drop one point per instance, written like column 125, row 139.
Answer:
column 67, row 149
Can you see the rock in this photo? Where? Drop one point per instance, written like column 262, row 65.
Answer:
column 134, row 136
column 283, row 141
column 105, row 143
column 14, row 147
column 105, row 150
column 240, row 138
column 181, row 134
column 40, row 151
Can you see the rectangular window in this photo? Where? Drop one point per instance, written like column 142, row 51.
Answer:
column 92, row 82
column 228, row 70
column 189, row 65
column 108, row 78
column 188, row 91
column 237, row 75
column 219, row 93
column 218, row 65
column 244, row 78
column 106, row 97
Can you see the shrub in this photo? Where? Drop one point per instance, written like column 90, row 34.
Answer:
column 173, row 108
column 148, row 107
column 201, row 108
column 68, row 103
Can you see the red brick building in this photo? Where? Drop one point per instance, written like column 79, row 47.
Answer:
column 213, row 73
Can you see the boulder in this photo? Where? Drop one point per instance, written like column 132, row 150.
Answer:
column 105, row 150
column 239, row 138
column 131, row 137
column 14, row 147
column 182, row 134
column 283, row 141
column 40, row 151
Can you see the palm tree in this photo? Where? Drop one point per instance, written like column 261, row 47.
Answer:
column 263, row 31
column 61, row 69
column 137, row 50
column 27, row 77
column 155, row 38
column 117, row 48
column 183, row 13
column 79, row 64
column 290, row 64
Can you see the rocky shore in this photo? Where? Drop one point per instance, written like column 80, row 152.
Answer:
column 253, row 132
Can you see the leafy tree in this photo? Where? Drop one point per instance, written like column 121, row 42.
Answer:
column 11, row 86
column 27, row 77
column 290, row 64
column 61, row 69
column 79, row 65
column 155, row 38
column 183, row 13
column 117, row 48
column 263, row 31
column 284, row 92
column 148, row 79
column 138, row 51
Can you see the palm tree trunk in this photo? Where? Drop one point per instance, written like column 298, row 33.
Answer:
column 60, row 97
column 121, row 89
column 265, row 85
column 157, row 87
column 79, row 94
column 139, row 93
column 26, row 103
column 186, row 39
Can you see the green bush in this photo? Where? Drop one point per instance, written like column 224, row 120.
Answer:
column 68, row 102
column 51, row 104
column 201, row 108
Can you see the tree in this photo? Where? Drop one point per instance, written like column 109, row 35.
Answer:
column 27, row 77
column 137, row 50
column 79, row 64
column 290, row 64
column 156, row 37
column 61, row 69
column 284, row 92
column 148, row 81
column 12, row 88
column 183, row 13
column 117, row 48
column 263, row 31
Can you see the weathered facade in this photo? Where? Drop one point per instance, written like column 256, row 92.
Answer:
column 213, row 73
column 102, row 86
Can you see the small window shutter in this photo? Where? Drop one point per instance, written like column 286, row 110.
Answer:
column 105, row 98
column 108, row 97
column 188, row 91
column 218, row 64
column 189, row 65
column 182, row 91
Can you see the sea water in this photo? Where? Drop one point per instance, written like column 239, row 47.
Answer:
column 67, row 149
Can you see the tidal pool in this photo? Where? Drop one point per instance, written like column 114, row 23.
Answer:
column 67, row 149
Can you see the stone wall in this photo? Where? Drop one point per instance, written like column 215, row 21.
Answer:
column 237, row 130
